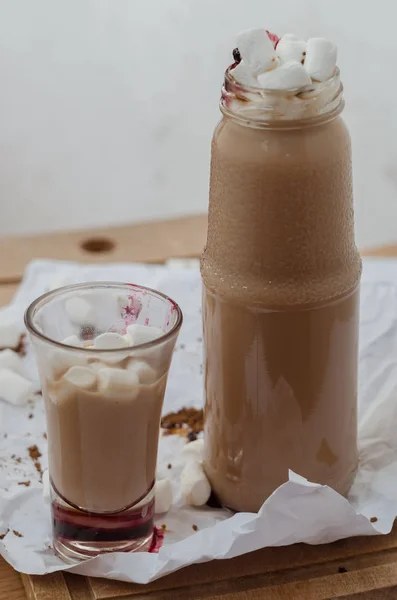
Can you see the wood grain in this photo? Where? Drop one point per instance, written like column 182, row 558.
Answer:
column 144, row 242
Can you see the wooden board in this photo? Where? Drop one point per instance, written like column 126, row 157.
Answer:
column 354, row 569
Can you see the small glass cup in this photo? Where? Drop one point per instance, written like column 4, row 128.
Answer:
column 103, row 410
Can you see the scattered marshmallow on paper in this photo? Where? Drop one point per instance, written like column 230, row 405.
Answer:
column 298, row 511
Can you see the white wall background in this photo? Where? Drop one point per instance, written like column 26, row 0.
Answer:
column 107, row 106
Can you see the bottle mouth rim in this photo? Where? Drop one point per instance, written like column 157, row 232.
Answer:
column 315, row 86
column 261, row 107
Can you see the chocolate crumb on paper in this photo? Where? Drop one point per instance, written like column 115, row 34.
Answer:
column 17, row 533
column 194, row 527
column 2, row 535
column 373, row 519
column 44, row 435
column 35, row 454
column 21, row 348
column 25, row 483
column 169, row 466
column 184, row 422
column 30, row 416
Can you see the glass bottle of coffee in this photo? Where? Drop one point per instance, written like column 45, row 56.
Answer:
column 281, row 275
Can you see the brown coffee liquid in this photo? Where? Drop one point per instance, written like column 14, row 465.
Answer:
column 280, row 309
column 102, row 448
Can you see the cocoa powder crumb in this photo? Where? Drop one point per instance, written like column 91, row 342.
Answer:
column 194, row 527
column 169, row 466
column 45, row 436
column 2, row 535
column 21, row 348
column 35, row 454
column 17, row 533
column 18, row 459
column 25, row 483
column 373, row 519
column 183, row 421
column 30, row 416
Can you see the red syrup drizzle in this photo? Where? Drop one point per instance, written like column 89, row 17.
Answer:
column 273, row 38
column 157, row 540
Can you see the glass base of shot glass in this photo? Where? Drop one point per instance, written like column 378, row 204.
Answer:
column 79, row 535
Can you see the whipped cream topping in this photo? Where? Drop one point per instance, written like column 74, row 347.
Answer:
column 263, row 60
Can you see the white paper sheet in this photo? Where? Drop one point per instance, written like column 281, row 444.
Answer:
column 298, row 511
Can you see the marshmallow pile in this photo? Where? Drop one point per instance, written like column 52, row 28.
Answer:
column 288, row 63
column 14, row 387
column 195, row 486
column 107, row 373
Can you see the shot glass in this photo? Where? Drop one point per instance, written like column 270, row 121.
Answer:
column 103, row 409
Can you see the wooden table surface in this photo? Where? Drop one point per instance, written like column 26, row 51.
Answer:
column 357, row 569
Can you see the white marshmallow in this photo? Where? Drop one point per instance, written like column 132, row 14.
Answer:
column 142, row 334
column 82, row 377
column 291, row 37
column 10, row 333
column 145, row 373
column 288, row 49
column 79, row 310
column 243, row 74
column 162, row 496
column 11, row 360
column 256, row 49
column 193, row 451
column 289, row 76
column 14, row 388
column 161, row 471
column 195, row 486
column 320, row 61
column 112, row 380
column 72, row 340
column 110, row 341
column 59, row 282
column 46, row 486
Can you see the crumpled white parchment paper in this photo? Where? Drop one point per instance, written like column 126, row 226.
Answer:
column 298, row 511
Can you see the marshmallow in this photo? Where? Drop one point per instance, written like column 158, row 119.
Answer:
column 112, row 380
column 79, row 310
column 59, row 282
column 110, row 341
column 72, row 340
column 10, row 334
column 142, row 334
column 242, row 73
column 46, row 486
column 256, row 50
column 320, row 61
column 62, row 360
column 82, row 377
column 145, row 373
column 288, row 49
column 289, row 76
column 195, row 486
column 193, row 451
column 11, row 360
column 14, row 388
column 290, row 37
column 162, row 496
column 161, row 471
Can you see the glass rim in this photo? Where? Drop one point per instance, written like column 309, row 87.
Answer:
column 41, row 300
